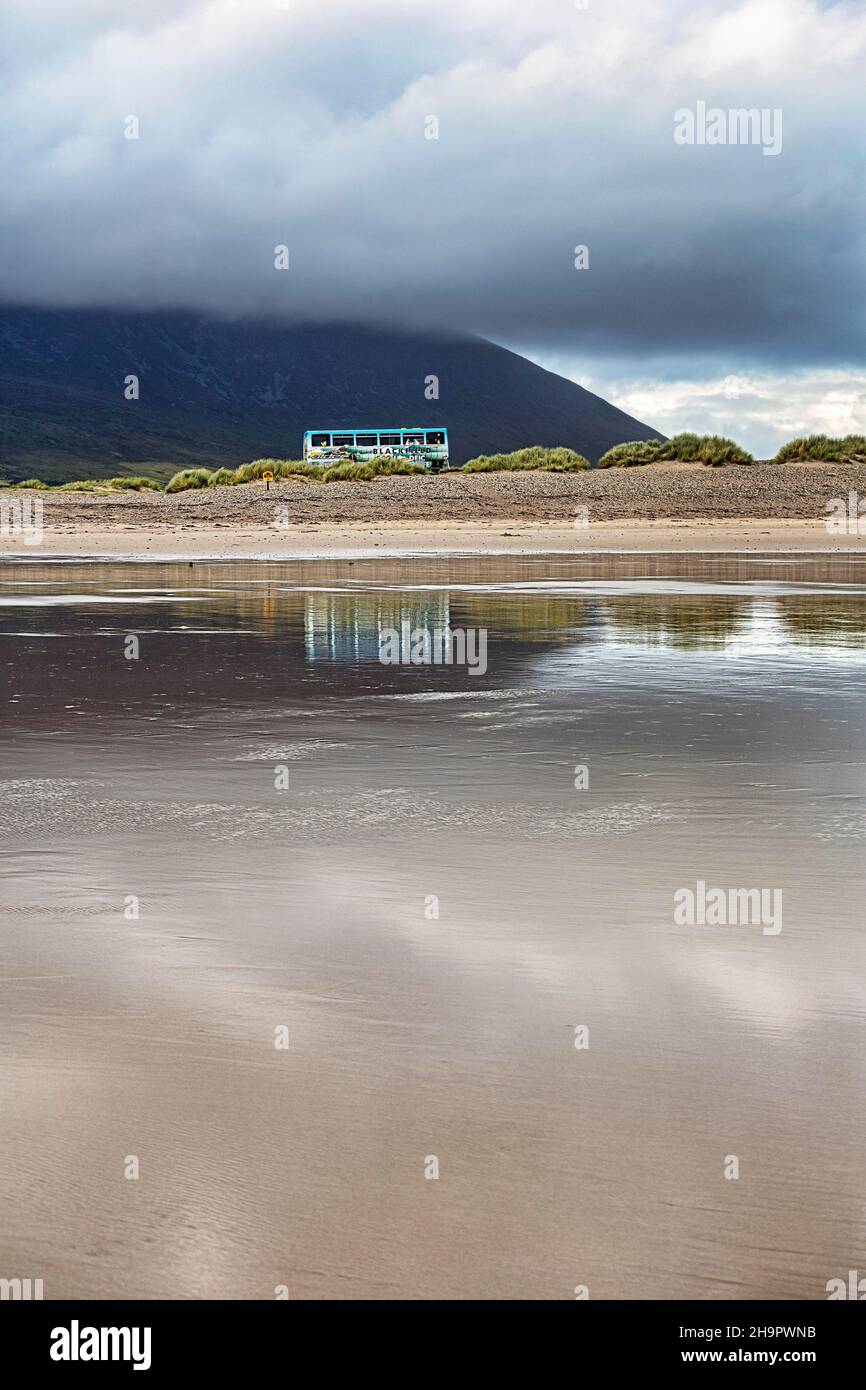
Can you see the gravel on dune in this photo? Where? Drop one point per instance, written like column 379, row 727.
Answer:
column 650, row 493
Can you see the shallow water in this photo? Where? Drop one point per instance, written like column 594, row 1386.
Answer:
column 718, row 705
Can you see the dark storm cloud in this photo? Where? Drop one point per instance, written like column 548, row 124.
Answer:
column 306, row 124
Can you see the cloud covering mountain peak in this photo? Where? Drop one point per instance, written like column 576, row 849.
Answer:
column 308, row 125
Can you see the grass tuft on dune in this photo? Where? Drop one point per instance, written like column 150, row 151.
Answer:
column 556, row 460
column 349, row 473
column 281, row 468
column 631, row 455
column 189, row 478
column 710, row 449
column 823, row 448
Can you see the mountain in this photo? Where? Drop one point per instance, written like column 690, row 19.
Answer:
column 222, row 392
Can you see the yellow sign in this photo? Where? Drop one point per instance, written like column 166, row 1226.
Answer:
column 268, row 477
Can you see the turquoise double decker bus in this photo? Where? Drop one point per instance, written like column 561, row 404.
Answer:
column 428, row 447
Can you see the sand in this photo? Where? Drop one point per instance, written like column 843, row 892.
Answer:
column 718, row 705
column 662, row 507
column 395, row 538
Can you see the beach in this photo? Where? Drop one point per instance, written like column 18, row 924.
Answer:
column 509, row 1070
column 549, row 1038
column 659, row 507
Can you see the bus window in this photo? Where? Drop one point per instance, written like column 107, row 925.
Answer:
column 344, row 439
column 435, row 437
column 414, row 438
column 368, row 440
column 318, row 441
column 389, row 439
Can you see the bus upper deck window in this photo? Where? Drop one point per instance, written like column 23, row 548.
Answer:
column 344, row 439
column 318, row 441
column 413, row 439
column 366, row 439
column 435, row 437
column 389, row 439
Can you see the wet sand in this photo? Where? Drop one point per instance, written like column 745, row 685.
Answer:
column 718, row 704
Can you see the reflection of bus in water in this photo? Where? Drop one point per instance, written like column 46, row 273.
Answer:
column 347, row 628
column 420, row 445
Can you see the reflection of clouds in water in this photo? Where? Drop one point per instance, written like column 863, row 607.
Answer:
column 643, row 975
column 749, row 978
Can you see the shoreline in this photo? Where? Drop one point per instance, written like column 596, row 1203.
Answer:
column 393, row 539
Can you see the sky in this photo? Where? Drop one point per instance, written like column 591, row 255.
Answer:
column 438, row 163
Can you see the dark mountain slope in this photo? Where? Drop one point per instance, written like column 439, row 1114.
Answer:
column 217, row 392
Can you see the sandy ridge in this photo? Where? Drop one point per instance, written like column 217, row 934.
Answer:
column 660, row 507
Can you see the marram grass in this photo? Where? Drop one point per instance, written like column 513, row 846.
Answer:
column 711, row 449
column 823, row 448
column 188, row 478
column 631, row 455
column 557, row 460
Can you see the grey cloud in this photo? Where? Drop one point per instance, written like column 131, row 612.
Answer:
column 305, row 126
